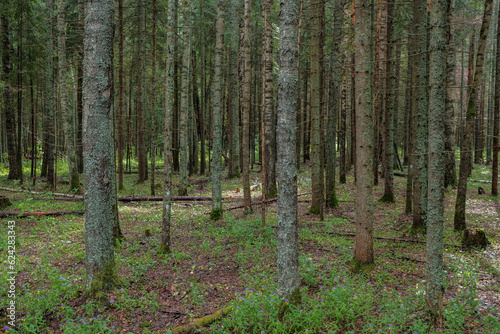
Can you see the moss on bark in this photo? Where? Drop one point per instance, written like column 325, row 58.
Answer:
column 387, row 198
column 475, row 239
column 315, row 210
column 4, row 202
column 216, row 214
column 294, row 298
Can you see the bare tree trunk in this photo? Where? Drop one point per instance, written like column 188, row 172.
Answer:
column 496, row 117
column 216, row 169
column 141, row 147
column 363, row 253
column 288, row 261
column 245, row 108
column 99, row 157
column 436, row 147
column 153, row 99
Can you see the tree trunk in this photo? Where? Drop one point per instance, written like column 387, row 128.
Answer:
column 420, row 111
column 388, row 125
column 288, row 260
column 465, row 155
column 99, row 157
column 141, row 146
column 496, row 117
column 165, row 239
column 333, row 109
column 233, row 93
column 439, row 23
column 317, row 177
column 184, row 105
column 49, row 105
column 245, row 108
column 217, row 117
column 363, row 253
column 153, row 100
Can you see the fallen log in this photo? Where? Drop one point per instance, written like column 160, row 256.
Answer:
column 17, row 213
column 39, row 192
column 126, row 199
column 260, row 202
column 202, row 322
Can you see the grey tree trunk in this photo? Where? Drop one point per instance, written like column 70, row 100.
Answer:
column 153, row 100
column 68, row 126
column 363, row 252
column 99, row 157
column 120, row 95
column 185, row 96
column 496, row 121
column 217, row 117
column 288, row 260
column 333, row 110
column 436, row 166
column 450, row 179
column 245, row 109
column 465, row 154
column 165, row 240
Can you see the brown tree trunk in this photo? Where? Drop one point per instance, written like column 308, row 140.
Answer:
column 120, row 95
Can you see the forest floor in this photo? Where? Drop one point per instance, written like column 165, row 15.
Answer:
column 232, row 263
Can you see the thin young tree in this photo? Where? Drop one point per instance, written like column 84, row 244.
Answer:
column 119, row 146
column 288, row 259
column 363, row 251
column 142, row 167
column 436, row 164
column 99, row 157
column 217, row 117
column 465, row 152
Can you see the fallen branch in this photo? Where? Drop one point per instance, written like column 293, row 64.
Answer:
column 480, row 181
column 39, row 193
column 16, row 213
column 201, row 322
column 125, row 199
column 259, row 202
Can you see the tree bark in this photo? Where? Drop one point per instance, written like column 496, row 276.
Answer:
column 333, row 109
column 120, row 95
column 245, row 108
column 496, row 119
column 363, row 253
column 317, row 177
column 216, row 169
column 288, row 261
column 99, row 157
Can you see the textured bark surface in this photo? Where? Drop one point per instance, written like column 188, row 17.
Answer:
column 436, row 165
column 317, row 177
column 74, row 176
column 450, row 179
column 333, row 109
column 245, row 109
column 217, row 118
column 165, row 240
column 363, row 252
column 496, row 125
column 288, row 260
column 99, row 157
column 465, row 151
column 184, row 105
